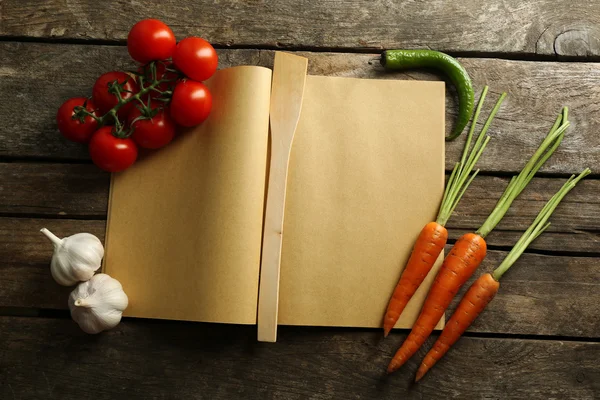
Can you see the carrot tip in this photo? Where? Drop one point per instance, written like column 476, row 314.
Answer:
column 386, row 332
column 419, row 376
column 393, row 367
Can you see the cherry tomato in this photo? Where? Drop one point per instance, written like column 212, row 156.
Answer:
column 196, row 58
column 73, row 128
column 105, row 100
column 111, row 153
column 153, row 133
column 191, row 103
column 161, row 73
column 149, row 40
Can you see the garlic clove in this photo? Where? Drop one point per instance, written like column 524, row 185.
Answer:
column 97, row 305
column 82, row 273
column 76, row 258
column 87, row 324
column 60, row 274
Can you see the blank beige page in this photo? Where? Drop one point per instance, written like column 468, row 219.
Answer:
column 366, row 174
column 185, row 222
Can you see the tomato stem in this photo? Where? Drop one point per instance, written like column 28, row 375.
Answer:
column 115, row 88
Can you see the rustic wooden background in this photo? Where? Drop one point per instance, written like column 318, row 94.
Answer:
column 539, row 339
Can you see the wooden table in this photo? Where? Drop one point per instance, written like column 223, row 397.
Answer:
column 538, row 339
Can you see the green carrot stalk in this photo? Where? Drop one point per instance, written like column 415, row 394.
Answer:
column 516, row 186
column 459, row 180
column 539, row 225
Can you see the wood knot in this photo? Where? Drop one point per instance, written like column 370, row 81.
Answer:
column 578, row 40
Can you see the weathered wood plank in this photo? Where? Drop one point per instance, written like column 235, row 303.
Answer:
column 37, row 89
column 52, row 359
column 574, row 223
column 498, row 26
column 53, row 189
column 537, row 91
column 541, row 295
column 81, row 191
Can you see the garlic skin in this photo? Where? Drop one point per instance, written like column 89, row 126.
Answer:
column 75, row 258
column 98, row 304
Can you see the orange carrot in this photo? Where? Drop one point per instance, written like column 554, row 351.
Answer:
column 469, row 250
column 433, row 236
column 472, row 304
column 486, row 286
column 428, row 247
column 459, row 265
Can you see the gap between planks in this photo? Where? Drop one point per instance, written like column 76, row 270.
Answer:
column 595, row 175
column 316, row 49
column 53, row 314
column 450, row 242
column 549, row 253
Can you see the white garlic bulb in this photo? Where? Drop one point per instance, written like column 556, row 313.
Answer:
column 98, row 304
column 75, row 258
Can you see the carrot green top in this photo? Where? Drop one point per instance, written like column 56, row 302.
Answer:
column 518, row 183
column 459, row 179
column 538, row 226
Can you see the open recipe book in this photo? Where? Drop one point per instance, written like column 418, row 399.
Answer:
column 366, row 174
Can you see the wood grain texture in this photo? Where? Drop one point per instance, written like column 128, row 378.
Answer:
column 81, row 191
column 540, row 295
column 497, row 26
column 53, row 189
column 536, row 93
column 40, row 87
column 53, row 359
column 287, row 95
column 574, row 223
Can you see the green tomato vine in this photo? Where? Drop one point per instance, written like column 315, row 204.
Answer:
column 147, row 85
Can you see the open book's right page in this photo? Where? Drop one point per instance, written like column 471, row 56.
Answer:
column 366, row 174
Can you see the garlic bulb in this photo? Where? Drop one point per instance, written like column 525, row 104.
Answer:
column 97, row 305
column 75, row 258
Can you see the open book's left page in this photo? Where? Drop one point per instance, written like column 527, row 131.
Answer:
column 185, row 223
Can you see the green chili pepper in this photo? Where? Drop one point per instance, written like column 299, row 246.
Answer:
column 404, row 59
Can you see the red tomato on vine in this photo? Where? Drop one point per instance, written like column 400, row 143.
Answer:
column 152, row 131
column 116, row 97
column 78, row 130
column 196, row 58
column 150, row 40
column 191, row 103
column 111, row 153
column 106, row 87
